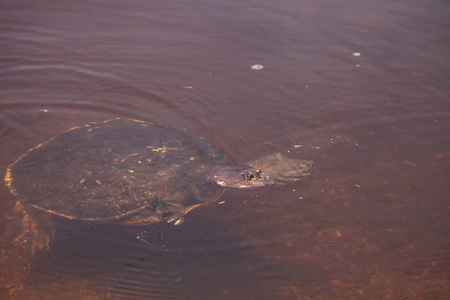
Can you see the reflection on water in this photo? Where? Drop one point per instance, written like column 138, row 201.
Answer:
column 370, row 222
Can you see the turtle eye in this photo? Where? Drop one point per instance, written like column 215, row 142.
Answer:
column 249, row 176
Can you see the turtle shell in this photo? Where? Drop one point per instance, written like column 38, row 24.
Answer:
column 109, row 170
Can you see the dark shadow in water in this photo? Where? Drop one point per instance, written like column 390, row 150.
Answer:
column 197, row 260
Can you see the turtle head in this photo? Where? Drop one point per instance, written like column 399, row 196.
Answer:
column 237, row 176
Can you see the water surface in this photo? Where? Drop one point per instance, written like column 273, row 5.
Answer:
column 362, row 89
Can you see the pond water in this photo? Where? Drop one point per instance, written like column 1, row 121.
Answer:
column 360, row 88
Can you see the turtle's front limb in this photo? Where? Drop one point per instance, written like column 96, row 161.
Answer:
column 281, row 169
column 170, row 211
column 173, row 211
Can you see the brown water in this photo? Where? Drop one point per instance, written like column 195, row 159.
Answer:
column 370, row 222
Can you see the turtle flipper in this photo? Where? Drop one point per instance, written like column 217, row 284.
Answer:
column 280, row 168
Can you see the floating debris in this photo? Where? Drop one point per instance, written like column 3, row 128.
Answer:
column 257, row 67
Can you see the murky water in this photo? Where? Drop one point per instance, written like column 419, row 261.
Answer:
column 361, row 89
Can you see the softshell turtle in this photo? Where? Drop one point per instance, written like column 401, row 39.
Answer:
column 135, row 173
column 125, row 171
